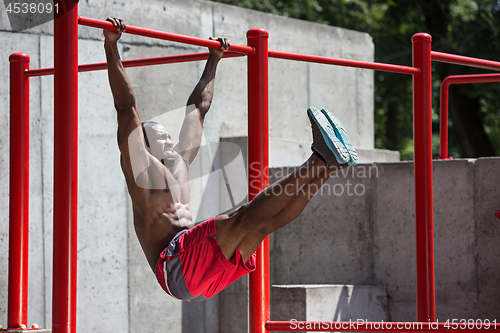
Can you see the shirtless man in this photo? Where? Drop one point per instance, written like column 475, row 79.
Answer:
column 196, row 263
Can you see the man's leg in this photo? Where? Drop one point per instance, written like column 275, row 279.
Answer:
column 282, row 202
column 271, row 209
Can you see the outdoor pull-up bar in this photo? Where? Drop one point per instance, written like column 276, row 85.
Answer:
column 344, row 62
column 443, row 105
column 130, row 29
column 138, row 62
column 465, row 61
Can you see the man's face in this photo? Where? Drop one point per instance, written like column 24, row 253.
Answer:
column 160, row 141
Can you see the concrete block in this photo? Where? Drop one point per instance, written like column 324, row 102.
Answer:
column 393, row 222
column 288, row 103
column 336, row 222
column 175, row 16
column 402, row 310
column 487, row 229
column 377, row 155
column 150, row 307
column 233, row 303
column 280, row 153
column 47, row 137
column 329, row 303
column 364, row 103
column 456, row 279
column 201, row 316
column 339, row 82
column 228, row 113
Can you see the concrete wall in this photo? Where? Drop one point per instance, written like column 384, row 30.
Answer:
column 115, row 286
column 368, row 237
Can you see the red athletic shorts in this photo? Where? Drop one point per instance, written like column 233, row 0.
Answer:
column 193, row 268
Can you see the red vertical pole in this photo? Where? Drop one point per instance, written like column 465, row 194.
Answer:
column 258, row 170
column 65, row 166
column 422, row 137
column 443, row 120
column 19, row 190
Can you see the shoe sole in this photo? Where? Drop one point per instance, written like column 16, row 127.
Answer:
column 327, row 131
column 341, row 133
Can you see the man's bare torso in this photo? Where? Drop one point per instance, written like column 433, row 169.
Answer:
column 161, row 213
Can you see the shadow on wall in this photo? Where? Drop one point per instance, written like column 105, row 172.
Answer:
column 223, row 183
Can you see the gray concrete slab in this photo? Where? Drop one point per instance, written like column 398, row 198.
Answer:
column 47, row 121
column 233, row 303
column 149, row 306
column 487, row 227
column 465, row 195
column 456, row 279
column 393, row 219
column 342, row 238
column 329, row 303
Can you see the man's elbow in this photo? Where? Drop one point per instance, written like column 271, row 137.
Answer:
column 125, row 106
column 203, row 107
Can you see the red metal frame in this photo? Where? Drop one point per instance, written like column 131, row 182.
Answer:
column 466, row 61
column 459, row 79
column 258, row 170
column 65, row 203
column 443, row 106
column 65, row 166
column 343, row 62
column 138, row 62
column 424, row 213
column 19, row 191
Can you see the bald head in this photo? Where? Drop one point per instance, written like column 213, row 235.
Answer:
column 159, row 142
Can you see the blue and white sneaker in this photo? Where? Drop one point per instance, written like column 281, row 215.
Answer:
column 341, row 133
column 325, row 142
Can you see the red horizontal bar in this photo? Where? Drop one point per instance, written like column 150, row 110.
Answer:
column 476, row 78
column 138, row 62
column 130, row 29
column 40, row 72
column 344, row 62
column 364, row 326
column 466, row 61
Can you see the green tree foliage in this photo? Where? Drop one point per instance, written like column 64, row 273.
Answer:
column 465, row 27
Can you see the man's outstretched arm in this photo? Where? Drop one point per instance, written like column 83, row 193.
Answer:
column 121, row 87
column 130, row 136
column 198, row 105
